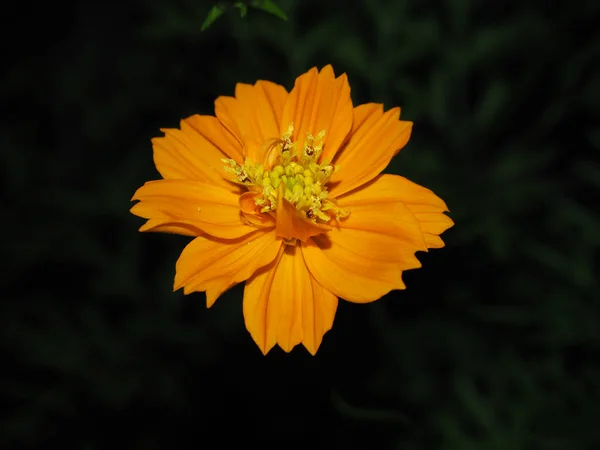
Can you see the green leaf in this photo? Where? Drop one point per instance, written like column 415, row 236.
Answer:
column 243, row 8
column 215, row 12
column 269, row 6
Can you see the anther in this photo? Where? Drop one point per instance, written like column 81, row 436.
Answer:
column 303, row 178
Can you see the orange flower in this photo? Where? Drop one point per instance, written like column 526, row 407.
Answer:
column 283, row 191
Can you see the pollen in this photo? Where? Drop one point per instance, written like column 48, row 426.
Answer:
column 304, row 178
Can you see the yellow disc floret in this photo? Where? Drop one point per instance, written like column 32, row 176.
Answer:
column 303, row 177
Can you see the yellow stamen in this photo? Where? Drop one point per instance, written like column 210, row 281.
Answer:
column 303, row 177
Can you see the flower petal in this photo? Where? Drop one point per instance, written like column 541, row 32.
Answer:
column 319, row 101
column 192, row 205
column 255, row 111
column 390, row 219
column 283, row 304
column 187, row 153
column 213, row 130
column 214, row 265
column 290, row 224
column 432, row 225
column 359, row 265
column 427, row 207
column 375, row 138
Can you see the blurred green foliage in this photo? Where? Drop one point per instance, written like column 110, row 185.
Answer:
column 219, row 9
column 494, row 345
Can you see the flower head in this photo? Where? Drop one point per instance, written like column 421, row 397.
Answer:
column 284, row 191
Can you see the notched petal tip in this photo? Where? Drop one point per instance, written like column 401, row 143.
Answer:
column 376, row 137
column 137, row 194
column 243, row 88
column 177, row 283
column 175, row 204
column 285, row 306
column 318, row 102
column 254, row 112
column 327, row 71
column 358, row 271
column 214, row 265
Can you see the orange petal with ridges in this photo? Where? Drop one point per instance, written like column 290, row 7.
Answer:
column 393, row 220
column 255, row 111
column 319, row 101
column 185, row 203
column 214, row 131
column 284, row 305
column 357, row 265
column 252, row 150
column 290, row 223
column 364, row 258
column 162, row 226
column 186, row 154
column 214, row 265
column 427, row 207
column 376, row 137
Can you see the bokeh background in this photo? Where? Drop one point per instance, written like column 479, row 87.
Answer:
column 495, row 345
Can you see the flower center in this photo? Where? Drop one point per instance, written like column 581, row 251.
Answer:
column 297, row 175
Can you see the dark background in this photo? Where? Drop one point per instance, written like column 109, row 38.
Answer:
column 495, row 345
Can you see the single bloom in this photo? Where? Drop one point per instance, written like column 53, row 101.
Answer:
column 283, row 190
